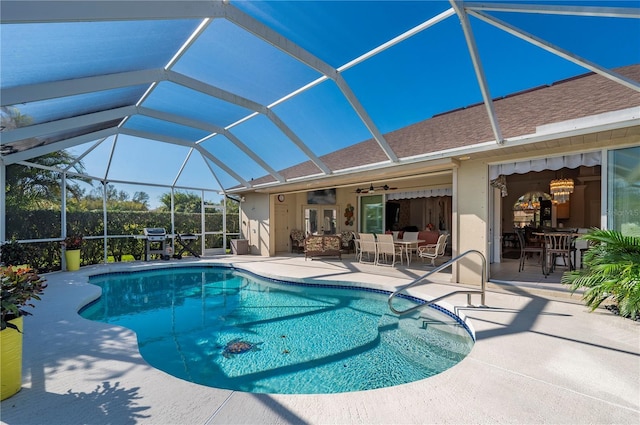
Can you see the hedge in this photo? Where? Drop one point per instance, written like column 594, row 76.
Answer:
column 46, row 224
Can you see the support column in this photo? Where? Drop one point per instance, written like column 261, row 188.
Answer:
column 473, row 218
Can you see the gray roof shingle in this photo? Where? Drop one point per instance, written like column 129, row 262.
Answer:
column 518, row 114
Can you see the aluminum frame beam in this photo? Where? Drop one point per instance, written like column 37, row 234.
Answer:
column 558, row 51
column 212, row 129
column 547, row 9
column 66, row 124
column 186, row 143
column 22, row 12
column 57, row 146
column 287, row 46
column 477, row 66
column 56, row 89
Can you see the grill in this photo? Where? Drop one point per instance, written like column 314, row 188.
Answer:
column 186, row 242
column 156, row 238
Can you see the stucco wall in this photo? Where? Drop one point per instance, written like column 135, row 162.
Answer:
column 472, row 218
column 255, row 222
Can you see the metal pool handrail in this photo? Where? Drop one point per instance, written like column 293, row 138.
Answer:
column 420, row 279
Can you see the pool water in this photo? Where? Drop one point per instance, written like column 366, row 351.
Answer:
column 227, row 329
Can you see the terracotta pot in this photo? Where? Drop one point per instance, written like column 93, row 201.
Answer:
column 11, row 359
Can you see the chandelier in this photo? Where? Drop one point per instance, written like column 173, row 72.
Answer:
column 561, row 189
column 530, row 201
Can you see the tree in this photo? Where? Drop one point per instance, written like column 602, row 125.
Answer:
column 116, row 200
column 183, row 202
column 32, row 187
column 141, row 198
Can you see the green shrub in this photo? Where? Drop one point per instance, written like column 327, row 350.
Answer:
column 612, row 272
column 42, row 224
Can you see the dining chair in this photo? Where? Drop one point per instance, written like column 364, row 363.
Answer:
column 387, row 251
column 355, row 240
column 557, row 245
column 367, row 246
column 409, row 237
column 526, row 249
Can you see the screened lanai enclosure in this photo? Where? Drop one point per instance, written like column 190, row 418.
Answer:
column 120, row 116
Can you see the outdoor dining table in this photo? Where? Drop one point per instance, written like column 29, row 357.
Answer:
column 405, row 247
column 547, row 268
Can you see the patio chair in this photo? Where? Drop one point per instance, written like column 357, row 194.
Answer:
column 346, row 243
column 526, row 249
column 408, row 237
column 355, row 240
column 297, row 240
column 368, row 247
column 433, row 251
column 557, row 245
column 387, row 251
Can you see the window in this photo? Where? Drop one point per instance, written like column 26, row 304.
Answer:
column 320, row 219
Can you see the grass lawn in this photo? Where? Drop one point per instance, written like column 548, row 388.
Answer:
column 125, row 258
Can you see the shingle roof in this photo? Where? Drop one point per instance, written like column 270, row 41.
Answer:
column 519, row 114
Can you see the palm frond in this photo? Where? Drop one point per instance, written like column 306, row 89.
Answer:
column 612, row 271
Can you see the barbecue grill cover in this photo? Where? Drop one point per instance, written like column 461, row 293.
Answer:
column 154, row 231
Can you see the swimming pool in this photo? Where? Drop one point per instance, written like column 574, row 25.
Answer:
column 225, row 328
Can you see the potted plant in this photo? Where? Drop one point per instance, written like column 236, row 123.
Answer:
column 611, row 273
column 19, row 287
column 72, row 246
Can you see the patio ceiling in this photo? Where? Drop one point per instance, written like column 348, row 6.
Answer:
column 221, row 93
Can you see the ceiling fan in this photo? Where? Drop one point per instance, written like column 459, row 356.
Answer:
column 373, row 188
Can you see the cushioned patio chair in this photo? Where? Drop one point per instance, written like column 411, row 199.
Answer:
column 434, row 251
column 297, row 240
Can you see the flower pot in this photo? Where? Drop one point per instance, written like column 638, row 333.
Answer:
column 11, row 359
column 73, row 259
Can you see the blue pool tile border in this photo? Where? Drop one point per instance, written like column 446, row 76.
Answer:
column 292, row 283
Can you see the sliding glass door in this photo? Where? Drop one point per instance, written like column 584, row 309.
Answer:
column 623, row 203
column 372, row 214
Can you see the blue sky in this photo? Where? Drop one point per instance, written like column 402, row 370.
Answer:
column 427, row 74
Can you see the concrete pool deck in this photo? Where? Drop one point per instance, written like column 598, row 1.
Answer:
column 537, row 359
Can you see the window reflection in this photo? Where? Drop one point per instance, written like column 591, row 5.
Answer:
column 623, row 203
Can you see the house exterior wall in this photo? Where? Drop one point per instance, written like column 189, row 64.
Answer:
column 255, row 212
column 471, row 204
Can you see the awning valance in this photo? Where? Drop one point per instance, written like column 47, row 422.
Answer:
column 425, row 193
column 589, row 159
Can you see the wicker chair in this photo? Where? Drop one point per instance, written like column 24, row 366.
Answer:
column 346, row 241
column 297, row 240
